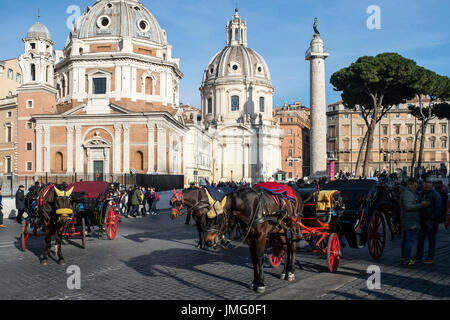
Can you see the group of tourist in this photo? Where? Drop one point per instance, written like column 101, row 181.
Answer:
column 136, row 202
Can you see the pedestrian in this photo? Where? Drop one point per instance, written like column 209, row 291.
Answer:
column 155, row 199
column 129, row 195
column 142, row 203
column 20, row 203
column 410, row 219
column 135, row 202
column 1, row 210
column 429, row 223
column 148, row 199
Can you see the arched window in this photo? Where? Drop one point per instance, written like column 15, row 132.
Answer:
column 63, row 88
column 33, row 72
column 148, row 86
column 261, row 104
column 236, row 34
column 139, row 160
column 235, row 103
column 59, row 162
column 209, row 105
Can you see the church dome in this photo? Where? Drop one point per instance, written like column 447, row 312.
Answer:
column 38, row 30
column 119, row 18
column 237, row 61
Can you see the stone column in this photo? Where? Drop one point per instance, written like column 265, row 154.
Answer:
column 39, row 130
column 316, row 57
column 246, row 160
column 70, row 129
column 126, row 148
column 150, row 147
column 47, row 149
column 162, row 145
column 79, row 156
column 117, row 148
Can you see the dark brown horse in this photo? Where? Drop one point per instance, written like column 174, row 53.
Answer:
column 54, row 208
column 260, row 213
column 195, row 200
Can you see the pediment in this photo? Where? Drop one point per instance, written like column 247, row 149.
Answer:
column 97, row 143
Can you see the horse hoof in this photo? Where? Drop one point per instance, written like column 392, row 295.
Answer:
column 44, row 262
column 61, row 262
column 261, row 289
column 291, row 277
column 283, row 276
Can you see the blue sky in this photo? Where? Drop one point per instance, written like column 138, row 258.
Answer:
column 280, row 30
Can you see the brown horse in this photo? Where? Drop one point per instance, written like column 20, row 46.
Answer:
column 54, row 207
column 260, row 213
column 196, row 201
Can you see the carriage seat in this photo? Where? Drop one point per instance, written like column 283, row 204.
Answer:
column 322, row 206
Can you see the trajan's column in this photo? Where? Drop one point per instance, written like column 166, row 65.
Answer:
column 317, row 56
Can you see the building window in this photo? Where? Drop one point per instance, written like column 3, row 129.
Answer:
column 10, row 74
column 290, row 120
column 290, row 141
column 33, row 72
column 8, row 165
column 385, row 115
column 346, row 116
column 290, row 132
column 99, row 85
column 18, row 78
column 410, row 129
column 29, row 146
column 29, row 166
column 385, row 130
column 397, row 129
column 9, row 114
column 332, row 118
column 261, row 104
column 290, row 163
column 8, row 134
column 398, row 143
column 33, row 45
column 444, row 144
column 235, row 103
column 29, row 125
column 409, row 115
column 281, row 120
column 444, row 128
column 209, row 105
column 236, row 34
column 433, row 144
column 290, row 175
column 290, row 152
column 30, row 104
column 148, row 85
column 432, row 128
column 397, row 115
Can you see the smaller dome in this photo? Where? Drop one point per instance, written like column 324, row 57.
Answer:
column 38, row 30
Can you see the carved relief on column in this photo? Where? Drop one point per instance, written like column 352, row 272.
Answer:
column 39, row 130
column 126, row 148
column 150, row 147
column 70, row 129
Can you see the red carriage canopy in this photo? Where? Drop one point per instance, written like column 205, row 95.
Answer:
column 91, row 189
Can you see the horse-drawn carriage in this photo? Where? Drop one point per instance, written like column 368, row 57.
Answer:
column 340, row 213
column 96, row 207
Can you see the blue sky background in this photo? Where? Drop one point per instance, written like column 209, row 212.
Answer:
column 280, row 30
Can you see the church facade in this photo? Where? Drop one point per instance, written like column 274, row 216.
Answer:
column 237, row 105
column 108, row 103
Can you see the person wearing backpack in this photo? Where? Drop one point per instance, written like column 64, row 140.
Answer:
column 429, row 222
column 155, row 198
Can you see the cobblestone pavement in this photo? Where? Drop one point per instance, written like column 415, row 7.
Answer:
column 156, row 258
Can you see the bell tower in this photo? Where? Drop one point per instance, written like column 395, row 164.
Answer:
column 36, row 95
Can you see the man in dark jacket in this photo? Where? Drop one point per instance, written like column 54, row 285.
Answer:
column 20, row 203
column 410, row 219
column 429, row 217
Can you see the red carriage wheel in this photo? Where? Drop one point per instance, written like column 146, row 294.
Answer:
column 376, row 235
column 83, row 233
column 333, row 252
column 111, row 223
column 276, row 252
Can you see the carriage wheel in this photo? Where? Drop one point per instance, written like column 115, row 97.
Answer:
column 111, row 223
column 333, row 252
column 83, row 233
column 23, row 238
column 377, row 235
column 276, row 253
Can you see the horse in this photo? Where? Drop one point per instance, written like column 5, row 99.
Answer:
column 260, row 213
column 195, row 200
column 54, row 208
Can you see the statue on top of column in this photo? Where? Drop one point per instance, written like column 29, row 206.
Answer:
column 315, row 26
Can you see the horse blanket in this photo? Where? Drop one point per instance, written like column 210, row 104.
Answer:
column 285, row 192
